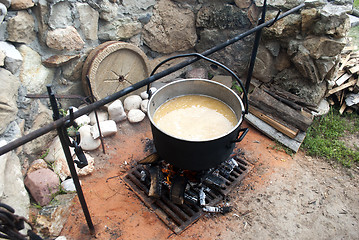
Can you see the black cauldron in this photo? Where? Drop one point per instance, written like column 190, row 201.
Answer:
column 196, row 155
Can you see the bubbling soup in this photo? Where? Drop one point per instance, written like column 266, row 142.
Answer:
column 195, row 117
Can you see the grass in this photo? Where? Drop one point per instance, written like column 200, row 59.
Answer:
column 356, row 3
column 323, row 137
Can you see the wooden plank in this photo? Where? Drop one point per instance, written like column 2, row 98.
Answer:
column 354, row 69
column 292, row 133
column 272, row 133
column 344, row 86
column 277, row 109
column 342, row 109
column 342, row 79
column 344, row 63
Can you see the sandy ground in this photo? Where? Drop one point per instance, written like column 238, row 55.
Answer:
column 283, row 197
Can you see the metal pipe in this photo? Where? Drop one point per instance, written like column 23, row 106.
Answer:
column 37, row 133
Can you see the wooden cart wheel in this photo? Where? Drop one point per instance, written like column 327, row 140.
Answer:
column 113, row 66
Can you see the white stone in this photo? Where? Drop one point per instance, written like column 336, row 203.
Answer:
column 55, row 151
column 102, row 116
column 132, row 102
column 153, row 90
column 13, row 59
column 116, row 111
column 322, row 108
column 144, row 95
column 61, row 167
column 68, row 185
column 144, row 105
column 135, row 115
column 12, row 189
column 88, row 143
column 88, row 169
column 61, row 238
column 82, row 120
column 34, row 76
column 108, row 128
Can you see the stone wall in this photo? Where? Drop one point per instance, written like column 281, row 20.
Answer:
column 47, row 41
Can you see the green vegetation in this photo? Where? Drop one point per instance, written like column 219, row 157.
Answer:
column 356, row 3
column 323, row 137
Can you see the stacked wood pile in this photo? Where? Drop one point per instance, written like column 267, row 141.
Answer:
column 285, row 117
column 345, row 91
column 280, row 115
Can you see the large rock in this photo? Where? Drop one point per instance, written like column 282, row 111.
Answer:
column 264, row 69
column 108, row 10
column 333, row 21
column 8, row 96
column 36, row 165
column 137, row 6
column 12, row 189
column 21, row 4
column 123, row 28
column 305, row 65
column 222, row 16
column 64, row 39
column 170, row 29
column 13, row 58
column 34, row 76
column 309, row 16
column 286, row 27
column 59, row 60
column 243, row 3
column 60, row 15
column 73, row 70
column 235, row 56
column 88, row 20
column 42, row 184
column 41, row 12
column 37, row 146
column 21, row 28
column 52, row 218
column 291, row 81
column 323, row 46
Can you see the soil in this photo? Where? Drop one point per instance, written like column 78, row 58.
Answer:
column 283, row 197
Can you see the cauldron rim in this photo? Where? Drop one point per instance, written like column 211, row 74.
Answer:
column 239, row 121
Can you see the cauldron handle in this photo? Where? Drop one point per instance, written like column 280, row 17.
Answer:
column 240, row 138
column 245, row 97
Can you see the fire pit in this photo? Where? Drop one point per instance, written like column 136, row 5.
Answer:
column 180, row 197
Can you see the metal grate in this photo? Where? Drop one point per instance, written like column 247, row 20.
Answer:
column 179, row 217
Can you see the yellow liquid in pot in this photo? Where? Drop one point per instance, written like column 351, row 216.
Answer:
column 195, row 117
